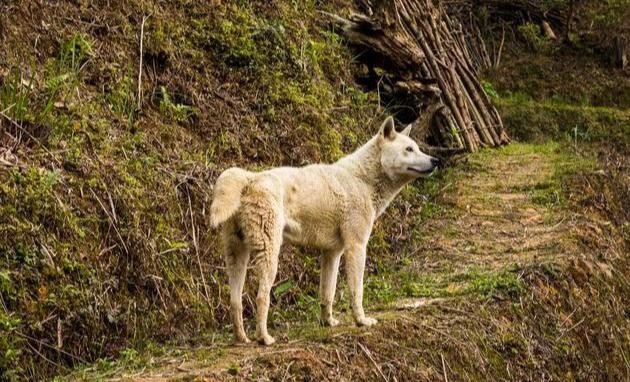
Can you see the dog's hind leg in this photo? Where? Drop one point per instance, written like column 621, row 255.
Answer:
column 267, row 274
column 236, row 259
column 328, row 285
column 263, row 224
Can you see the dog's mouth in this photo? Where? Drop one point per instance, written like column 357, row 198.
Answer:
column 421, row 172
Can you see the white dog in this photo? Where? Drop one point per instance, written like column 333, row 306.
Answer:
column 331, row 207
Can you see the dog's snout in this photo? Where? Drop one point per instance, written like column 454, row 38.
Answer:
column 435, row 162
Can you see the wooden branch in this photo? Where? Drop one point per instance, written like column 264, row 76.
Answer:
column 497, row 61
column 548, row 31
column 144, row 19
column 430, row 59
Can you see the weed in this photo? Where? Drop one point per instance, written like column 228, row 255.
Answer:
column 10, row 343
column 18, row 93
column 65, row 71
column 175, row 111
column 282, row 288
column 548, row 197
column 234, row 369
column 14, row 96
column 488, row 284
column 380, row 289
column 122, row 98
column 128, row 356
column 74, row 52
column 533, row 37
column 489, row 89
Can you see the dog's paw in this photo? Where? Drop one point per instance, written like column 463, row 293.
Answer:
column 266, row 340
column 366, row 321
column 329, row 322
column 242, row 341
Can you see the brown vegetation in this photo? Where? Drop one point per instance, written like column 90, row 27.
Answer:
column 105, row 251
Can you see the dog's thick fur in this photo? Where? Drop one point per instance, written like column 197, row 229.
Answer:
column 330, row 207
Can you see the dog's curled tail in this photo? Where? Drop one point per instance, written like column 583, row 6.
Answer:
column 227, row 194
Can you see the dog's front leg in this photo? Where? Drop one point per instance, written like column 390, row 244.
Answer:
column 328, row 285
column 355, row 267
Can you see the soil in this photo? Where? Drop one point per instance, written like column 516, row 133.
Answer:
column 492, row 222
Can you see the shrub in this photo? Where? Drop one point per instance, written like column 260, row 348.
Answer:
column 534, row 38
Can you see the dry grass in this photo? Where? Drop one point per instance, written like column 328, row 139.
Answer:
column 105, row 253
column 561, row 314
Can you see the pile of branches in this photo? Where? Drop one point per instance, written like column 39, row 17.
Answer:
column 603, row 26
column 426, row 63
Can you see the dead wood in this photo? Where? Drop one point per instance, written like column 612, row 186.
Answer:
column 430, row 62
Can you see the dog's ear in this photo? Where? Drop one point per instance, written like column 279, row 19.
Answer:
column 387, row 129
column 407, row 130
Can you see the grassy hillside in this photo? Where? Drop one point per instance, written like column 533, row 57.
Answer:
column 516, row 273
column 105, row 183
column 563, row 94
column 105, row 190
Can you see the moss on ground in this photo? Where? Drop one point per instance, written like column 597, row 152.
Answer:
column 104, row 191
column 530, row 120
column 104, row 242
column 497, row 313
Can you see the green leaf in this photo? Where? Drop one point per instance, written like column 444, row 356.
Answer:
column 282, row 288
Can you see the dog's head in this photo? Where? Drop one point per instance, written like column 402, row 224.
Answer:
column 400, row 155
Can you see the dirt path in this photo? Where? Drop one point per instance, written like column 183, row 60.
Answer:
column 502, row 212
column 505, row 210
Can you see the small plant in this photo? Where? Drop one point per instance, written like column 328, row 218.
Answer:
column 380, row 289
column 129, row 356
column 533, row 37
column 122, row 99
column 9, row 346
column 19, row 90
column 174, row 111
column 489, row 89
column 14, row 96
column 74, row 53
column 282, row 289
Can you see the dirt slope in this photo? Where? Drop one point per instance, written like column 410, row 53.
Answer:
column 499, row 287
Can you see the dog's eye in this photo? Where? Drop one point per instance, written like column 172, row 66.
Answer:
column 409, row 149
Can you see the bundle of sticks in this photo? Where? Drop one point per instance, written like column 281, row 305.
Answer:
column 426, row 54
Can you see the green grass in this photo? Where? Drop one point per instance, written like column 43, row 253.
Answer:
column 97, row 220
column 530, row 120
column 564, row 160
column 472, row 283
column 149, row 355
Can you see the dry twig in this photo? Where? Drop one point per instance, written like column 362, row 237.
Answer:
column 369, row 355
column 144, row 19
